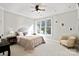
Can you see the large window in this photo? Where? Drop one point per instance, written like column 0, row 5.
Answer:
column 44, row 27
column 48, row 27
column 38, row 27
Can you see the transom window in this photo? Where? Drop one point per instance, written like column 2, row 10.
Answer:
column 44, row 27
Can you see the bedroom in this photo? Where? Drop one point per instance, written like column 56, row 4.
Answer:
column 49, row 20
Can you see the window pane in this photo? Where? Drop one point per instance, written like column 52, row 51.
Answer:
column 48, row 30
column 48, row 27
column 43, row 27
column 38, row 27
column 43, row 24
column 42, row 30
column 49, row 22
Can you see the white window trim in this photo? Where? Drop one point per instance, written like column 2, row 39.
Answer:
column 45, row 26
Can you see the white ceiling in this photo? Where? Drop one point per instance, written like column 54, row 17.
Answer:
column 27, row 9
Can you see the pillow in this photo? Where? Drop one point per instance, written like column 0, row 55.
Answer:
column 24, row 33
column 11, row 33
column 20, row 34
column 63, row 38
column 72, row 37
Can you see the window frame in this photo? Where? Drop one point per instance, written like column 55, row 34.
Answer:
column 40, row 21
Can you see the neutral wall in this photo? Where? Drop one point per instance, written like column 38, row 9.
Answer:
column 1, row 22
column 69, row 19
column 12, row 22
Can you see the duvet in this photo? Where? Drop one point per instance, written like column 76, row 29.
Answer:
column 30, row 42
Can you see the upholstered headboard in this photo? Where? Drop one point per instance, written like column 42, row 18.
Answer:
column 23, row 30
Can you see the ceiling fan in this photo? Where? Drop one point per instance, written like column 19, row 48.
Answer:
column 38, row 7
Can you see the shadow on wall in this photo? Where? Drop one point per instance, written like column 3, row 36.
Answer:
column 29, row 30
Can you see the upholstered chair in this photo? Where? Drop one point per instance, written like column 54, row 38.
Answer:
column 68, row 41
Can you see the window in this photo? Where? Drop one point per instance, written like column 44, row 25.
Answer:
column 38, row 27
column 44, row 27
column 48, row 27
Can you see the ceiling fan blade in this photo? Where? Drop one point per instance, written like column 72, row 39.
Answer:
column 32, row 7
column 42, row 9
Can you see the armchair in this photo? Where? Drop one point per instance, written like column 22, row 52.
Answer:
column 68, row 41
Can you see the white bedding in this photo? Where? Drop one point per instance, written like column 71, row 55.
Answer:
column 29, row 42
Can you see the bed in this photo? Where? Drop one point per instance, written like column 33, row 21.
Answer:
column 30, row 42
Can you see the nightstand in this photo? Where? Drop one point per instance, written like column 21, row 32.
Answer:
column 12, row 40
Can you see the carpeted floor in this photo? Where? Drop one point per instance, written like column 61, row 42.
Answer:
column 50, row 48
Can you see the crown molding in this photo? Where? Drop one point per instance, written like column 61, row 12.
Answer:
column 14, row 12
column 36, row 18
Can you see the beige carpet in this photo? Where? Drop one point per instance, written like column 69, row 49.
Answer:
column 50, row 48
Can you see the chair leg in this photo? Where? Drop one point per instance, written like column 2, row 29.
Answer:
column 3, row 53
